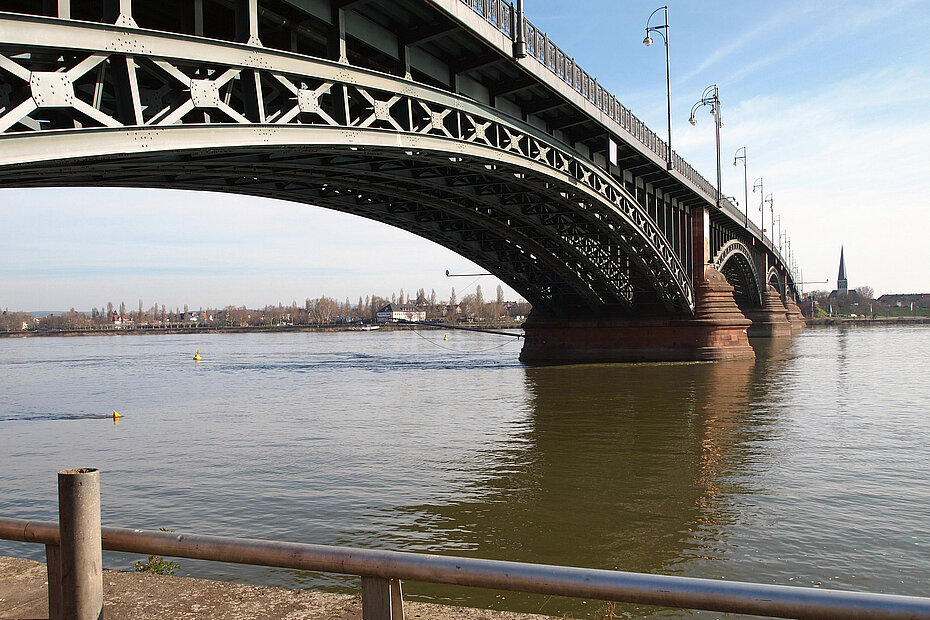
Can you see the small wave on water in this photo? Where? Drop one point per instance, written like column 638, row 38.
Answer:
column 385, row 363
column 51, row 416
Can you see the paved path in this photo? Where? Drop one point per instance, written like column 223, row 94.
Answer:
column 137, row 596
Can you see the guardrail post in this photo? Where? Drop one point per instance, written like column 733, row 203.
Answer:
column 382, row 599
column 81, row 549
column 53, row 567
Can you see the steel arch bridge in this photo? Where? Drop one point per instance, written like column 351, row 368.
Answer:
column 525, row 166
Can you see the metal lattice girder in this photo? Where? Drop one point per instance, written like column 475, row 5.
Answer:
column 181, row 112
column 736, row 262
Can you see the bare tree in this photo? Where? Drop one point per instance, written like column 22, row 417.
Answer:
column 452, row 308
column 324, row 311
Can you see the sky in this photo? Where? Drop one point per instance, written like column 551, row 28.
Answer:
column 830, row 99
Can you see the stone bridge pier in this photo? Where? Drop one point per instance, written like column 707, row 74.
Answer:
column 718, row 329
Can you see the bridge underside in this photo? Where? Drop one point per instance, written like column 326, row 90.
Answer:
column 552, row 186
column 522, row 227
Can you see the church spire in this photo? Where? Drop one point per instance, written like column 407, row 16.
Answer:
column 841, row 285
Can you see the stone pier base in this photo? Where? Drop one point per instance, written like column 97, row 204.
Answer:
column 770, row 321
column 795, row 316
column 717, row 331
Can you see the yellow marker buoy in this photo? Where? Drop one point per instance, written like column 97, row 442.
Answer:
column 116, row 416
column 445, row 337
column 197, row 357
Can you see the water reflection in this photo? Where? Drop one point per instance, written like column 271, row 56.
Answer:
column 616, row 468
column 808, row 466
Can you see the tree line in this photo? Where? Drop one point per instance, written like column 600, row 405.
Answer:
column 317, row 311
column 861, row 302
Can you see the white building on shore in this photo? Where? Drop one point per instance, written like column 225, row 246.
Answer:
column 393, row 313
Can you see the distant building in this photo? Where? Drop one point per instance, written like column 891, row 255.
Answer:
column 842, row 286
column 121, row 321
column 392, row 313
column 919, row 300
column 842, row 294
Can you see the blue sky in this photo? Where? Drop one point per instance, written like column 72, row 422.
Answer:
column 830, row 98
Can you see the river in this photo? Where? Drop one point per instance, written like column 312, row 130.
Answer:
column 809, row 466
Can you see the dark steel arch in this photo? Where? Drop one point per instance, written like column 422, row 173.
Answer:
column 522, row 228
column 773, row 278
column 735, row 261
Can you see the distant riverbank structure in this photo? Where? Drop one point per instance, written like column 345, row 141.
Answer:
column 842, row 286
column 393, row 313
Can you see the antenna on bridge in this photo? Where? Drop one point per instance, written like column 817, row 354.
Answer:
column 465, row 275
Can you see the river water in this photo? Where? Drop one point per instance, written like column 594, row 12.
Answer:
column 809, row 466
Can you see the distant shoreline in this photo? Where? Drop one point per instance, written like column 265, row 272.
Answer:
column 880, row 320
column 225, row 329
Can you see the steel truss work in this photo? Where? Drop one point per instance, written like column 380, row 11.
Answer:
column 147, row 110
column 736, row 261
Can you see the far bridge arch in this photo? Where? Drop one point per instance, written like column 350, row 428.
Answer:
column 775, row 279
column 735, row 262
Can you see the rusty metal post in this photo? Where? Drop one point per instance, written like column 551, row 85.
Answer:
column 382, row 599
column 81, row 548
column 53, row 567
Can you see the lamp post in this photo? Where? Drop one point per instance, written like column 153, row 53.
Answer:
column 771, row 203
column 777, row 220
column 757, row 185
column 519, row 34
column 663, row 30
column 742, row 157
column 711, row 97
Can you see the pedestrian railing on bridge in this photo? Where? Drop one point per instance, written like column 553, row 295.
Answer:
column 73, row 552
column 501, row 15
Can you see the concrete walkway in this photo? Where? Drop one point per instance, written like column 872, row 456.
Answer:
column 138, row 596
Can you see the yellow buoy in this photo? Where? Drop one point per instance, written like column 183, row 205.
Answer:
column 197, row 357
column 116, row 416
column 445, row 337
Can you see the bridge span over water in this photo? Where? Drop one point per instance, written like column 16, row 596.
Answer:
column 422, row 114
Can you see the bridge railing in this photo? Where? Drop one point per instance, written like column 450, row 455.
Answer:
column 382, row 572
column 502, row 15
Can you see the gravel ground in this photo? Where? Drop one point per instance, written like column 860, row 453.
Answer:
column 138, row 596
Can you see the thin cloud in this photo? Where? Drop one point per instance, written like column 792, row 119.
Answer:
column 725, row 51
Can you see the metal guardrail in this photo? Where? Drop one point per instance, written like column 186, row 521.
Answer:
column 393, row 566
column 502, row 15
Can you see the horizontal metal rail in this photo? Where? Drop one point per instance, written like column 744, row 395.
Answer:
column 496, row 332
column 646, row 589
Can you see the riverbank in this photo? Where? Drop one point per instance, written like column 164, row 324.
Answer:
column 224, row 329
column 879, row 320
column 140, row 596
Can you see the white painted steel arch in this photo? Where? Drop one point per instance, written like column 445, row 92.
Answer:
column 184, row 112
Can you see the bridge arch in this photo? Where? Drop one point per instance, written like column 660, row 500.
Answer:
column 774, row 279
column 735, row 261
column 237, row 119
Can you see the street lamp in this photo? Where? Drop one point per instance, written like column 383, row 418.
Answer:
column 771, row 203
column 668, row 82
column 711, row 97
column 742, row 157
column 757, row 185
